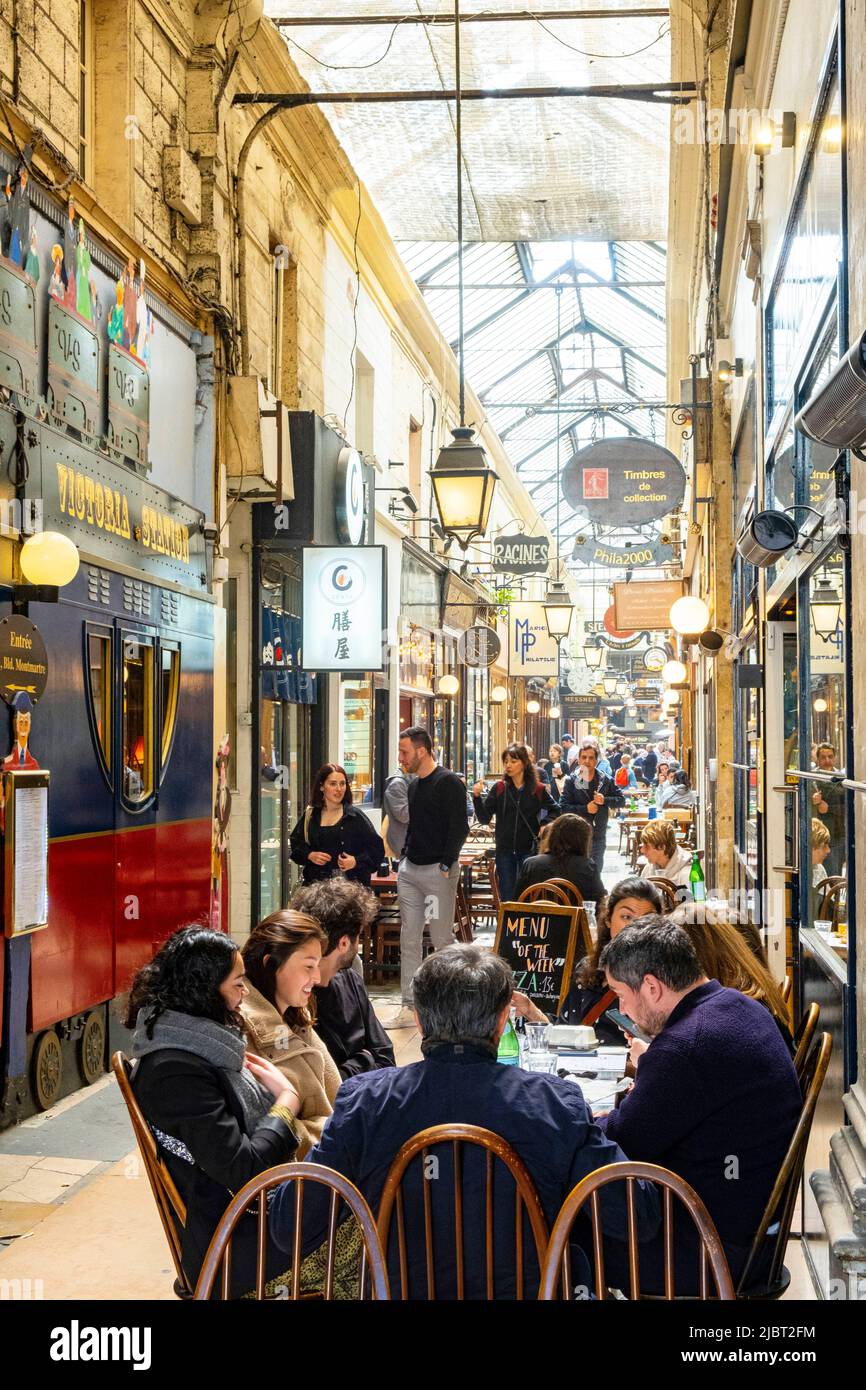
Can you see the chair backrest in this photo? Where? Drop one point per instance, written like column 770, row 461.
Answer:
column 786, row 1189
column 494, row 880
column 668, row 890
column 833, row 900
column 787, row 986
column 544, row 892
column 679, row 813
column 571, row 890
column 169, row 1204
column 527, row 1202
column 462, row 917
column 557, row 1267
column 219, row 1252
column 803, row 1037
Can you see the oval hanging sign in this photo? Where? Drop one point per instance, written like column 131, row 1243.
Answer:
column 649, row 553
column 617, row 481
column 23, row 659
column 478, row 646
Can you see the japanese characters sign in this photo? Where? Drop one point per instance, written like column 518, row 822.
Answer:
column 343, row 608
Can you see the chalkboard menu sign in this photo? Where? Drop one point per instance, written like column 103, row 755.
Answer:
column 538, row 941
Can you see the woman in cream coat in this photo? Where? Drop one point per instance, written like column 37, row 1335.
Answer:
column 281, row 959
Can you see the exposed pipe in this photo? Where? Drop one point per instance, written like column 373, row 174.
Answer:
column 519, row 16
column 658, row 93
column 240, row 204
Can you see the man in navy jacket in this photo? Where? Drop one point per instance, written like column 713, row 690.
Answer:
column 716, row 1098
column 589, row 794
column 462, row 996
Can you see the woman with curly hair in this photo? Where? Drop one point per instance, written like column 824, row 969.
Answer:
column 282, row 957
column 219, row 1114
column 589, row 997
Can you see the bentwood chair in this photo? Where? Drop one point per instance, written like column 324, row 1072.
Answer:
column 571, row 890
column 668, row 890
column 544, row 892
column 803, row 1037
column 557, row 1267
column 448, row 1197
column 462, row 917
column 171, row 1208
column 787, row 986
column 775, row 1224
column 254, row 1195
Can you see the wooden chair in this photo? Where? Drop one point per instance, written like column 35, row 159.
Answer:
column 668, row 890
column 219, row 1252
column 485, row 897
column 803, row 1037
column 779, row 1211
column 557, row 1267
column 787, row 986
column 571, row 890
column 544, row 892
column 169, row 1204
column 527, row 1202
column 833, row 901
column 462, row 917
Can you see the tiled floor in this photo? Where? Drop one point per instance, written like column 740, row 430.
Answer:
column 76, row 1211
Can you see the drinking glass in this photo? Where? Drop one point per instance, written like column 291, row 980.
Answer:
column 544, row 1062
column 536, row 1037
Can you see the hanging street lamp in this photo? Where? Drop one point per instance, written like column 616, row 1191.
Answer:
column 826, row 608
column 558, row 610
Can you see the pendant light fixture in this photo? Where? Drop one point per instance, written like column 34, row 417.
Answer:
column 463, row 482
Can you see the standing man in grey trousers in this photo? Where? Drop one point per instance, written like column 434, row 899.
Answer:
column 428, row 872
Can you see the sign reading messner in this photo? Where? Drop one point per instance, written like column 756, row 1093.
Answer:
column 618, row 482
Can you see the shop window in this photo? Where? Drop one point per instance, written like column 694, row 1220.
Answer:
column 746, row 772
column 170, row 684
column 137, row 720
column 99, row 693
column 358, row 738
column 810, row 262
column 744, row 456
column 819, row 485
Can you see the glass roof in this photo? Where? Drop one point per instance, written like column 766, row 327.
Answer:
column 535, row 168
column 565, row 343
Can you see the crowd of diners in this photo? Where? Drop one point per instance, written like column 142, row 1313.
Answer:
column 248, row 1059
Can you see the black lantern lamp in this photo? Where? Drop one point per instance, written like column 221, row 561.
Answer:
column 593, row 656
column 558, row 610
column 826, row 607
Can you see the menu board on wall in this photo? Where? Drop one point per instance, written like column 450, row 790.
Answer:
column 25, row 816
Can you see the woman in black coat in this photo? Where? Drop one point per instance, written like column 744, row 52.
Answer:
column 333, row 836
column 219, row 1114
column 566, row 856
column 517, row 802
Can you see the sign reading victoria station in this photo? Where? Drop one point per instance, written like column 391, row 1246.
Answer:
column 623, row 482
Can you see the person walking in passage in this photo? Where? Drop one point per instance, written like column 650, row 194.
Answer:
column 428, row 872
column 589, row 794
column 516, row 801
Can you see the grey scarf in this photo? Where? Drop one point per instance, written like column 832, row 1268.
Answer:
column 220, row 1046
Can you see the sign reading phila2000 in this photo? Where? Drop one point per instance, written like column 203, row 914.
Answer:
column 623, row 482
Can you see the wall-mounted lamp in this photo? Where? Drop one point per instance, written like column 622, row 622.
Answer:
column 532, row 707
column 819, row 706
column 726, row 371
column 689, row 616
column 498, row 694
column 770, row 131
column 448, row 685
column 555, row 712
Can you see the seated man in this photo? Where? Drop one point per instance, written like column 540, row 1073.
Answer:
column 344, row 1017
column 716, row 1097
column 462, row 996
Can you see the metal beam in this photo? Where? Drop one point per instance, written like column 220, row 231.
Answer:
column 543, row 284
column 519, row 16
column 548, row 407
column 655, row 93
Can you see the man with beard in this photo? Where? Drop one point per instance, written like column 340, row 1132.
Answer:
column 715, row 1099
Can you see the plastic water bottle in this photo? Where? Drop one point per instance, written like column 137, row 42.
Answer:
column 509, row 1046
column 652, row 813
column 696, row 879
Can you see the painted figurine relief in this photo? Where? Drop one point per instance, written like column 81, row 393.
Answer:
column 20, row 756
column 70, row 243
column 56, row 287
column 16, row 238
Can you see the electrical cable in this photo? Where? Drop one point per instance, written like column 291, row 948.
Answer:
column 357, row 265
column 346, row 67
column 664, row 30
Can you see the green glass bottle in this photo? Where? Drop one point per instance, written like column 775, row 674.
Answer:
column 697, row 881
column 509, row 1047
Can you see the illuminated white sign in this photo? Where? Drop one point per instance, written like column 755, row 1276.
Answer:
column 343, row 612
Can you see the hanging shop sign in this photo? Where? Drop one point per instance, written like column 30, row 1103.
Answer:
column 580, row 706
column 520, row 554
column 531, row 649
column 617, row 482
column 645, row 603
column 652, row 554
column 478, row 646
column 655, row 658
column 349, row 497
column 23, row 659
column 344, row 617
column 608, row 636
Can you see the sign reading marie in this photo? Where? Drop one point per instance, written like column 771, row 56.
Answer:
column 520, row 554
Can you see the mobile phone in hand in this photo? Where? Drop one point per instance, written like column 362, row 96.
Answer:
column 625, row 1024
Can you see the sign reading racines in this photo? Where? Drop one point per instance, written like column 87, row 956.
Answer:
column 520, row 554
